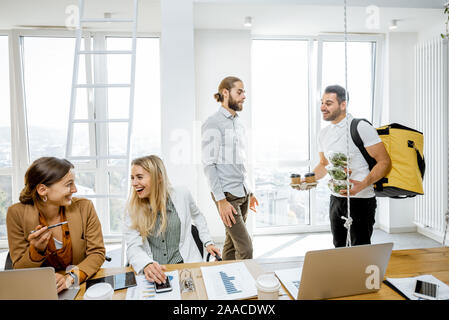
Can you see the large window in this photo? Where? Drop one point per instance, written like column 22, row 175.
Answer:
column 5, row 137
column 286, row 92
column 281, row 126
column 47, row 66
column 47, row 76
column 360, row 73
column 147, row 112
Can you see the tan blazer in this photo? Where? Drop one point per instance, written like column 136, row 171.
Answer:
column 85, row 233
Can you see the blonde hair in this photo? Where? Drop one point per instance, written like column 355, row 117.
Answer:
column 143, row 212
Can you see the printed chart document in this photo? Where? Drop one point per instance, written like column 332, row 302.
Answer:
column 290, row 278
column 229, row 282
column 145, row 290
column 406, row 286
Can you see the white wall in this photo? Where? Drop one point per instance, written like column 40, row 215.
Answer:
column 218, row 54
column 432, row 31
column 178, row 91
column 399, row 106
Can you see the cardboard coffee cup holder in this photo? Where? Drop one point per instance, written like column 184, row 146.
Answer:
column 304, row 185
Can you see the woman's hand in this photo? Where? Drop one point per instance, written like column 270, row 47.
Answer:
column 63, row 281
column 155, row 272
column 213, row 250
column 39, row 239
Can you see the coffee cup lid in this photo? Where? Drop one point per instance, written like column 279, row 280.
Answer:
column 98, row 291
column 310, row 174
column 268, row 282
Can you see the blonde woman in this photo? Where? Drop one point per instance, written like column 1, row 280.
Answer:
column 159, row 220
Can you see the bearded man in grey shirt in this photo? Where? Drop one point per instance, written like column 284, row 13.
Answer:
column 223, row 156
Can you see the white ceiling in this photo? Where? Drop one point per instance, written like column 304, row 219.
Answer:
column 307, row 19
column 286, row 17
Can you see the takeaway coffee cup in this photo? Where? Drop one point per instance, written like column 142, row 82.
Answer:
column 268, row 287
column 99, row 291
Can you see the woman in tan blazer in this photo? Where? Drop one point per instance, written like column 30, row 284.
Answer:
column 76, row 247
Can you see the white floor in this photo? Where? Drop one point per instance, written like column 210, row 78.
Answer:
column 297, row 245
column 281, row 246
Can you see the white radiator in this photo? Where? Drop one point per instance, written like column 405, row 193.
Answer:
column 431, row 84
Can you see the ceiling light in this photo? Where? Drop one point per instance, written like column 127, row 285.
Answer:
column 248, row 22
column 394, row 24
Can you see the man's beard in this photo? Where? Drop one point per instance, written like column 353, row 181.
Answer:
column 333, row 115
column 233, row 105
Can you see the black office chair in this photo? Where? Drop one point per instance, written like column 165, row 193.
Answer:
column 199, row 244
column 8, row 262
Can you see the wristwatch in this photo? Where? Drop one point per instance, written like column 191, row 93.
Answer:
column 74, row 277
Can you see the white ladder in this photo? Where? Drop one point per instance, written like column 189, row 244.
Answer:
column 99, row 152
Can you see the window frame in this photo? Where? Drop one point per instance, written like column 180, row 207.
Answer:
column 9, row 171
column 314, row 87
column 19, row 128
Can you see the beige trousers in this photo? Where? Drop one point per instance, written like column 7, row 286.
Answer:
column 238, row 244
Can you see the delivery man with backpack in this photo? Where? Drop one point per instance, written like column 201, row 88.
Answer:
column 333, row 139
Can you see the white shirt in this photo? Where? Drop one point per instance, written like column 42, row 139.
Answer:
column 333, row 139
column 138, row 250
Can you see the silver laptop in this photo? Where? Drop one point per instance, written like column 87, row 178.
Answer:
column 338, row 272
column 343, row 272
column 32, row 284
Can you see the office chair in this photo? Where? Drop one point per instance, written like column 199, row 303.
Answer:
column 8, row 262
column 200, row 245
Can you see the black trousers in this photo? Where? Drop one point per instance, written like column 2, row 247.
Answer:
column 363, row 211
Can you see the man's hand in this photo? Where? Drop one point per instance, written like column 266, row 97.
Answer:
column 252, row 203
column 227, row 212
column 357, row 186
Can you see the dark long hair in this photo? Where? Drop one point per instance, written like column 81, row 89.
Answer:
column 45, row 170
column 227, row 83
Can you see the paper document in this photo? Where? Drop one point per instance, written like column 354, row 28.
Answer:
column 290, row 278
column 145, row 290
column 407, row 286
column 229, row 281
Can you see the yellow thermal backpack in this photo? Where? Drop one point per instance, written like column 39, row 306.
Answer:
column 405, row 147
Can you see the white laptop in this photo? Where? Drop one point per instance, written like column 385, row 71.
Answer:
column 338, row 272
column 32, row 284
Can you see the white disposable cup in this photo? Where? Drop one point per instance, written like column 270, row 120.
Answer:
column 99, row 291
column 268, row 287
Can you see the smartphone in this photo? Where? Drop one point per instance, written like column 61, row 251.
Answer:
column 426, row 290
column 163, row 287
